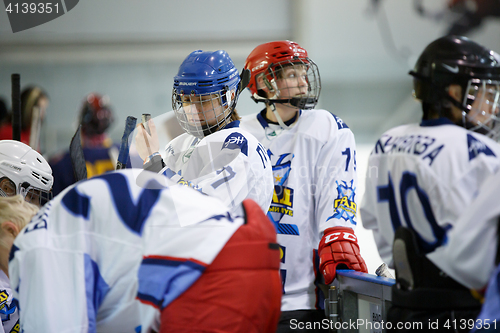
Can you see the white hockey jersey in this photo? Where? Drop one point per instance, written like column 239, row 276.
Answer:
column 423, row 176
column 473, row 243
column 229, row 164
column 75, row 266
column 314, row 166
column 9, row 309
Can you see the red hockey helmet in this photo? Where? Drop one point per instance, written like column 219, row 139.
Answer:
column 266, row 62
column 95, row 115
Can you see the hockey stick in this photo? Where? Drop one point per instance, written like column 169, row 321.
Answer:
column 144, row 119
column 245, row 80
column 77, row 158
column 124, row 146
column 16, row 106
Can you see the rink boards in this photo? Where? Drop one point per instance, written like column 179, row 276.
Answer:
column 358, row 302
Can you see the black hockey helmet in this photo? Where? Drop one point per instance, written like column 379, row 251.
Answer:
column 458, row 60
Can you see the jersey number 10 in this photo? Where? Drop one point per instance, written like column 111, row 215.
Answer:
column 409, row 182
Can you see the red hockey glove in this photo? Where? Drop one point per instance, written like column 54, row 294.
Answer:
column 339, row 246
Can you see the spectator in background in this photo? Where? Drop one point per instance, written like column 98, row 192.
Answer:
column 4, row 113
column 95, row 117
column 34, row 103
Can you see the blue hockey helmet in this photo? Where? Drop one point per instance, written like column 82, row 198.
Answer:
column 205, row 92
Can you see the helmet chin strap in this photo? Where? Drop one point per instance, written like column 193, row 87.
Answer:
column 278, row 117
column 271, row 102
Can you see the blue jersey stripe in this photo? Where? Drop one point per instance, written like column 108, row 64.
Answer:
column 96, row 289
column 161, row 281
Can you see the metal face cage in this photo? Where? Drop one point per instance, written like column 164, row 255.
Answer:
column 296, row 82
column 481, row 100
column 203, row 114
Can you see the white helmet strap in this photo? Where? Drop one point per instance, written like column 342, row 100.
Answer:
column 278, row 117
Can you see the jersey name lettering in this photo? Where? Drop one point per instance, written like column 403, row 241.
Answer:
column 423, row 146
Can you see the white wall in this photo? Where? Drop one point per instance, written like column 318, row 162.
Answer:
column 130, row 50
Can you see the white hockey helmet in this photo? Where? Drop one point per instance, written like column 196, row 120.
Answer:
column 24, row 171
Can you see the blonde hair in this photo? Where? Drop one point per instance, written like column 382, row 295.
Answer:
column 30, row 97
column 16, row 210
column 235, row 115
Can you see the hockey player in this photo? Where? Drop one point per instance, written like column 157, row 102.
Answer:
column 474, row 255
column 214, row 156
column 95, row 117
column 24, row 175
column 15, row 213
column 34, row 104
column 313, row 155
column 421, row 177
column 116, row 251
column 24, row 171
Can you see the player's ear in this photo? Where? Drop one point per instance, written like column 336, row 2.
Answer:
column 9, row 227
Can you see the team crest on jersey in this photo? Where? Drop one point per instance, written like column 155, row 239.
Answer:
column 5, row 310
column 344, row 206
column 236, row 141
column 477, row 147
column 4, row 296
column 282, row 203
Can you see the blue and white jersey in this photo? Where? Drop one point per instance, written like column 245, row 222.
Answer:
column 86, row 258
column 9, row 310
column 423, row 176
column 473, row 243
column 314, row 167
column 229, row 164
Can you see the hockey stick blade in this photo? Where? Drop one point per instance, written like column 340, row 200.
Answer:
column 124, row 146
column 245, row 79
column 77, row 158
